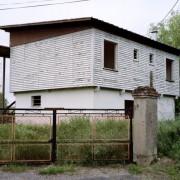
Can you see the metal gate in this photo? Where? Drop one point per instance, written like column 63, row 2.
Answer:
column 25, row 136
column 49, row 135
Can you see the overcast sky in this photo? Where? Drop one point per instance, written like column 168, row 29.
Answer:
column 134, row 15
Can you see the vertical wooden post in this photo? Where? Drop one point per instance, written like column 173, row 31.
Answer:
column 54, row 145
column 3, row 86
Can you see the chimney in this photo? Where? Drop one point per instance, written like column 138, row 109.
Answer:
column 153, row 35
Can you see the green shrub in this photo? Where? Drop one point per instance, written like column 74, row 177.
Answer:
column 169, row 139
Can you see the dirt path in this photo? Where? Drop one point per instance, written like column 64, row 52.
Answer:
column 81, row 173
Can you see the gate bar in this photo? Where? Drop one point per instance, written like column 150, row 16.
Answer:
column 54, row 145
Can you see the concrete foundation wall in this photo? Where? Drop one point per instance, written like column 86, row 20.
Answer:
column 166, row 108
column 72, row 98
column 105, row 98
column 91, row 98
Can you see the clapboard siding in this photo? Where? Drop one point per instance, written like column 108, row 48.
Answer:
column 130, row 73
column 76, row 60
column 59, row 62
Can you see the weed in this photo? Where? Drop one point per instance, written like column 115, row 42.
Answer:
column 135, row 169
column 14, row 168
column 50, row 170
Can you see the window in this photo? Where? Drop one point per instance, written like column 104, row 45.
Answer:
column 136, row 54
column 151, row 58
column 36, row 100
column 109, row 54
column 169, row 63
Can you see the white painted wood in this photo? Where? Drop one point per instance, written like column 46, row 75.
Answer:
column 59, row 62
column 76, row 60
column 133, row 73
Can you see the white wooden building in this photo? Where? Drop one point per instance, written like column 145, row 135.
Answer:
column 88, row 63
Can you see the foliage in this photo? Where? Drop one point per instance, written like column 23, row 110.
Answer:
column 1, row 101
column 50, row 170
column 177, row 107
column 169, row 139
column 168, row 32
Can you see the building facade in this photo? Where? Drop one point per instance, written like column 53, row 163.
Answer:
column 88, row 63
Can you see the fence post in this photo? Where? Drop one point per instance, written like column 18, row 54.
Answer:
column 54, row 146
column 145, row 125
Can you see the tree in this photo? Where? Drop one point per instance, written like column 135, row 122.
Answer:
column 169, row 33
column 1, row 101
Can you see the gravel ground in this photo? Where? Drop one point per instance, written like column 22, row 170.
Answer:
column 82, row 173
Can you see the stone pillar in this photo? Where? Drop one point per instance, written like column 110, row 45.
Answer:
column 145, row 125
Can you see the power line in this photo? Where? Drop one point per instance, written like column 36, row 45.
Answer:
column 40, row 5
column 18, row 3
column 169, row 11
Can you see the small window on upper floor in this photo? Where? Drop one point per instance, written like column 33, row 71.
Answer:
column 169, row 65
column 109, row 54
column 136, row 54
column 36, row 100
column 151, row 58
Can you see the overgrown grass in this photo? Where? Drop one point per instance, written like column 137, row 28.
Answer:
column 169, row 139
column 164, row 169
column 51, row 170
column 79, row 129
column 14, row 168
column 74, row 130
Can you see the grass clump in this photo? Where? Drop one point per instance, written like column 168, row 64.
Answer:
column 14, row 168
column 135, row 169
column 50, row 170
column 164, row 168
column 169, row 139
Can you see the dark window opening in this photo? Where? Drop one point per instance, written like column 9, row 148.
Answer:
column 36, row 100
column 109, row 54
column 151, row 58
column 129, row 108
column 169, row 63
column 135, row 54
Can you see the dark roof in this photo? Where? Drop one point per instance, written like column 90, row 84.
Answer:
column 4, row 51
column 99, row 24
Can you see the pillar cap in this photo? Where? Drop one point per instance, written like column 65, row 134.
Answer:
column 145, row 91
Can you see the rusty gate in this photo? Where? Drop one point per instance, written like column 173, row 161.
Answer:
column 49, row 135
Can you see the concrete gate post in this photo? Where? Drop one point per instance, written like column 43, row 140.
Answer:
column 145, row 125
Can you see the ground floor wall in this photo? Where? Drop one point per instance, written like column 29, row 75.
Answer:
column 90, row 98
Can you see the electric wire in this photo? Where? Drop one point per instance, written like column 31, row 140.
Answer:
column 169, row 12
column 41, row 5
column 28, row 2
